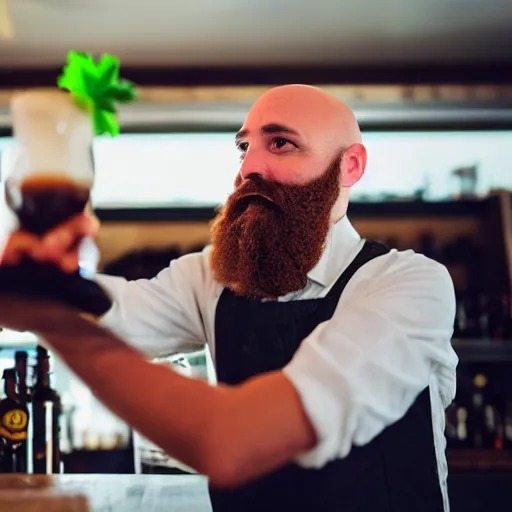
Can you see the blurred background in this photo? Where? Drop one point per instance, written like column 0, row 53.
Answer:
column 431, row 85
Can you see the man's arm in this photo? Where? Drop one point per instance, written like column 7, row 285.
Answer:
column 352, row 377
column 158, row 316
column 231, row 434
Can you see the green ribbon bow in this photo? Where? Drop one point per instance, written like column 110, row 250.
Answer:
column 96, row 87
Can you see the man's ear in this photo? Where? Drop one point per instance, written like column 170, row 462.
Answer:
column 352, row 165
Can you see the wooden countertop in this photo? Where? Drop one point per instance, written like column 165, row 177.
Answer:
column 111, row 493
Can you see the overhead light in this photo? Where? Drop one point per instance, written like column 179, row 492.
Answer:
column 6, row 24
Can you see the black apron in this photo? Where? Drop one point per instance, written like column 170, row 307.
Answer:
column 395, row 472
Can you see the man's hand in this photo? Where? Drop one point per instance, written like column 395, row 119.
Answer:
column 59, row 246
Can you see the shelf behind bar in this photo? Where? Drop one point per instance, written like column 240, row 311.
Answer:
column 469, row 351
column 356, row 210
column 479, row 460
column 483, row 350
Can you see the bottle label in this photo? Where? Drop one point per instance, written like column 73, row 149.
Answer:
column 14, row 425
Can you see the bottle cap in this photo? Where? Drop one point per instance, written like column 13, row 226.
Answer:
column 8, row 373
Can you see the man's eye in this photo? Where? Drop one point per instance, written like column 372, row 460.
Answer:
column 279, row 143
column 243, row 146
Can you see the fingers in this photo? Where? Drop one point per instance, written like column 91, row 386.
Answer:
column 59, row 246
column 69, row 262
column 18, row 246
column 65, row 239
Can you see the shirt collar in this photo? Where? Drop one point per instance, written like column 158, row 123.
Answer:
column 342, row 241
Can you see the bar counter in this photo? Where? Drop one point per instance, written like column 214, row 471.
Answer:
column 104, row 493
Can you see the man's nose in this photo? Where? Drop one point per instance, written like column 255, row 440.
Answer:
column 253, row 164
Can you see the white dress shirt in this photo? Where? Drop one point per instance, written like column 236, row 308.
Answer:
column 389, row 338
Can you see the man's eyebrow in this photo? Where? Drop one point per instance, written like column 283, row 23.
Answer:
column 268, row 128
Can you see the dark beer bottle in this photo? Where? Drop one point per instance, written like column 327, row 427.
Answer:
column 46, row 409
column 481, row 415
column 20, row 358
column 13, row 427
column 22, row 395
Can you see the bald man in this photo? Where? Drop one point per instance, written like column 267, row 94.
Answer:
column 332, row 353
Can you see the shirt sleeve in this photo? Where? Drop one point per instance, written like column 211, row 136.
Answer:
column 159, row 316
column 359, row 372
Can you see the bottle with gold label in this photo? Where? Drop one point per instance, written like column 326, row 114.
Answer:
column 14, row 419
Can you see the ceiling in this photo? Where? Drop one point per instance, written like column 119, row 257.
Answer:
column 261, row 32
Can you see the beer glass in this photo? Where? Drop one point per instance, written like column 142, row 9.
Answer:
column 53, row 169
column 50, row 182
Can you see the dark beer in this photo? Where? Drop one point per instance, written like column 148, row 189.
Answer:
column 44, row 201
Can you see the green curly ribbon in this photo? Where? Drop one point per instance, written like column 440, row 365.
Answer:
column 96, row 87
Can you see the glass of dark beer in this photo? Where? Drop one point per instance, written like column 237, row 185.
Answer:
column 49, row 183
column 52, row 172
column 43, row 201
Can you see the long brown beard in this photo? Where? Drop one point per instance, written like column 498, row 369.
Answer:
column 268, row 236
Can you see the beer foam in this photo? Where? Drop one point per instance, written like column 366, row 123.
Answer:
column 52, row 134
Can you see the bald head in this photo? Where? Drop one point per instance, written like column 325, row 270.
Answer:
column 301, row 152
column 293, row 133
column 310, row 110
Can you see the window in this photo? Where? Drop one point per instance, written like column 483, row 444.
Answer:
column 399, row 163
column 198, row 169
